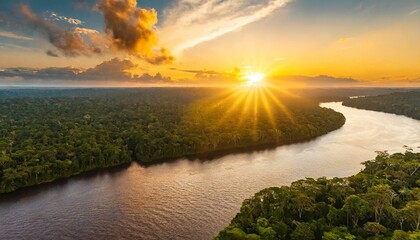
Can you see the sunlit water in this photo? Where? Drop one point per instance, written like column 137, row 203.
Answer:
column 194, row 199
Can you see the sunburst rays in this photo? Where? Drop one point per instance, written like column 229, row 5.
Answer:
column 249, row 106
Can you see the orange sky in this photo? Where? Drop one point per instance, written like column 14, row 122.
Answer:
column 376, row 42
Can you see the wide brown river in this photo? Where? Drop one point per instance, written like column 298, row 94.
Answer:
column 187, row 199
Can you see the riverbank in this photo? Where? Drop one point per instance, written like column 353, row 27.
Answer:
column 402, row 103
column 208, row 156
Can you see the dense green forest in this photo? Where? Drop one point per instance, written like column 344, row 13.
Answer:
column 342, row 94
column 402, row 103
column 380, row 202
column 49, row 134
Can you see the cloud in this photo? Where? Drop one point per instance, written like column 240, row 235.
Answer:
column 120, row 71
column 85, row 31
column 67, row 41
column 317, row 81
column 190, row 22
column 11, row 45
column 211, row 77
column 235, row 77
column 111, row 69
column 54, row 16
column 52, row 53
column 414, row 11
column 132, row 30
column 14, row 36
column 51, row 73
column 115, row 70
column 128, row 29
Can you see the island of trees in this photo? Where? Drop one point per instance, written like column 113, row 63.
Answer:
column 380, row 202
column 51, row 134
column 401, row 103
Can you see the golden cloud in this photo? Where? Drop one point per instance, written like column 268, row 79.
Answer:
column 131, row 29
column 128, row 29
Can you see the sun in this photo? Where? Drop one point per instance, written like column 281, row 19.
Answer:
column 254, row 79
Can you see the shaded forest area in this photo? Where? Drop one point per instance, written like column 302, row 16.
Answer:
column 47, row 134
column 380, row 202
column 401, row 103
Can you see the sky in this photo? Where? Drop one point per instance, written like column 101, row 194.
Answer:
column 214, row 42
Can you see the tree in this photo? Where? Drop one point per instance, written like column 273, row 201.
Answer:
column 253, row 236
column 400, row 235
column 413, row 212
column 303, row 231
column 415, row 235
column 336, row 216
column 6, row 161
column 356, row 208
column 374, row 228
column 232, row 234
column 411, row 167
column 399, row 215
column 338, row 233
column 379, row 197
column 302, row 202
column 339, row 191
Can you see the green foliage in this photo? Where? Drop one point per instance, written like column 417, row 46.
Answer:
column 356, row 209
column 400, row 235
column 45, row 135
column 234, row 234
column 403, row 103
column 303, row 231
column 413, row 213
column 374, row 228
column 338, row 233
column 378, row 203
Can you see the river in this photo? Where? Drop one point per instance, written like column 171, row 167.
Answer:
column 194, row 199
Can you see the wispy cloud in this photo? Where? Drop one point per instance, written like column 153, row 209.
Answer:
column 11, row 45
column 14, row 36
column 414, row 11
column 54, row 16
column 188, row 23
column 85, row 31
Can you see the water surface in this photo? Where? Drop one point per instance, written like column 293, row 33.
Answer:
column 187, row 199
